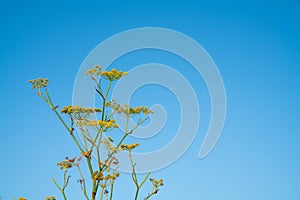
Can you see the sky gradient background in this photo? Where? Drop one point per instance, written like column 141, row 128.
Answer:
column 256, row 46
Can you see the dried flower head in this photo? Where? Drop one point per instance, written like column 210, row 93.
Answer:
column 127, row 110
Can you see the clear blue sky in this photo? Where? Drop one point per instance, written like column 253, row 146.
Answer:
column 256, row 46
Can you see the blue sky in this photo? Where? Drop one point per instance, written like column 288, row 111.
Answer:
column 255, row 45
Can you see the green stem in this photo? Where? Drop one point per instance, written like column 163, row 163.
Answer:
column 133, row 169
column 83, row 183
column 89, row 164
column 148, row 174
column 93, row 191
column 60, row 189
column 95, row 186
column 98, row 152
column 102, row 192
column 50, row 103
column 111, row 190
column 136, row 193
column 64, row 195
column 104, row 100
column 88, row 159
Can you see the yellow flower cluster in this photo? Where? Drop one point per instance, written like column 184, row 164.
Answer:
column 107, row 124
column 86, row 154
column 113, row 176
column 127, row 110
column 38, row 83
column 78, row 110
column 109, row 75
column 99, row 176
column 51, row 198
column 157, row 183
column 66, row 164
column 22, row 198
column 129, row 147
column 140, row 109
column 113, row 74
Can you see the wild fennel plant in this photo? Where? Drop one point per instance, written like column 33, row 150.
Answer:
column 102, row 171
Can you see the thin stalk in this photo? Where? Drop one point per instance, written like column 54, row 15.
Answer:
column 111, row 190
column 59, row 188
column 136, row 193
column 50, row 103
column 147, row 176
column 93, row 191
column 134, row 177
column 83, row 183
column 104, row 100
column 102, row 192
column 98, row 152
column 95, row 187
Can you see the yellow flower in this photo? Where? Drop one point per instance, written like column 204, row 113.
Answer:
column 105, row 124
column 66, row 164
column 51, row 198
column 78, row 110
column 127, row 110
column 39, row 82
column 86, row 154
column 157, row 183
column 140, row 109
column 108, row 177
column 115, row 175
column 97, row 176
column 129, row 147
column 111, row 75
column 22, row 198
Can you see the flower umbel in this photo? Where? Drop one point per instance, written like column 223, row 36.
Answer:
column 39, row 82
column 111, row 75
column 129, row 147
column 127, row 110
column 78, row 110
column 66, row 164
column 157, row 183
column 50, row 198
column 104, row 124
